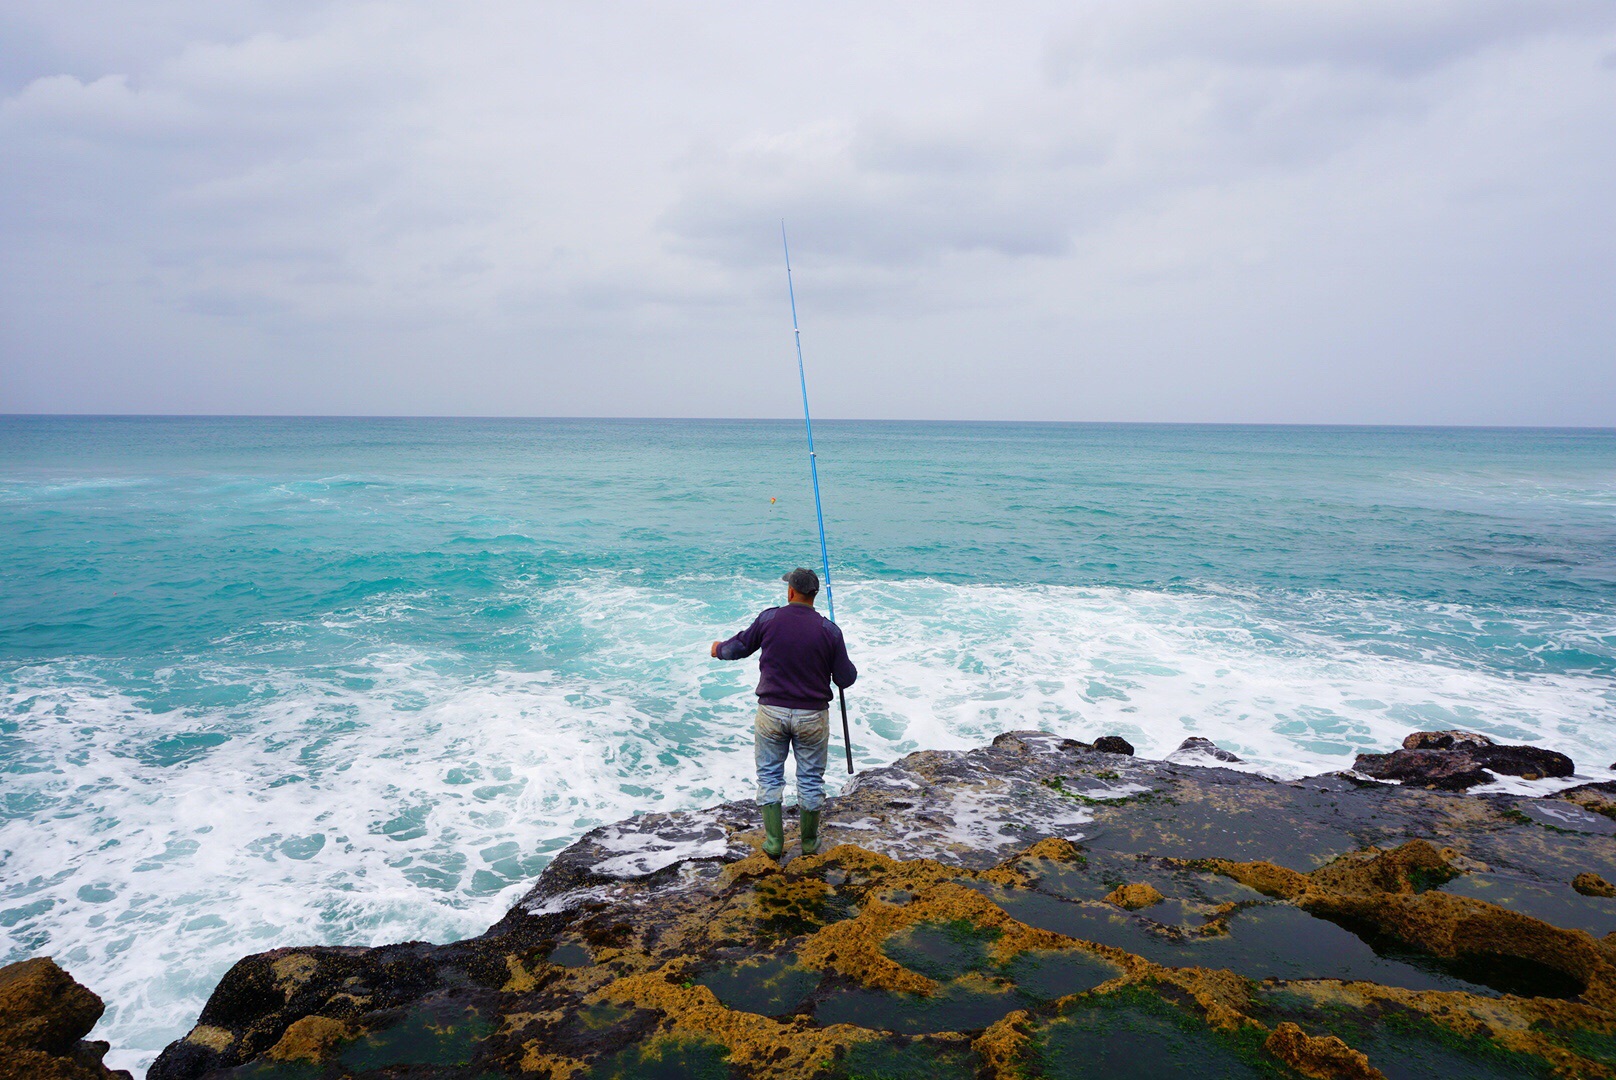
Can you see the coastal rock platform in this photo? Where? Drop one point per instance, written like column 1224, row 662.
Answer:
column 1033, row 908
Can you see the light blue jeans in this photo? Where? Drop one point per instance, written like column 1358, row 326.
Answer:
column 806, row 733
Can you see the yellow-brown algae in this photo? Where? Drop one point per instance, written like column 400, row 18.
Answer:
column 788, row 1047
column 521, row 980
column 1266, row 878
column 309, row 1039
column 853, row 948
column 214, row 1038
column 1222, row 995
column 1002, row 1047
column 1513, row 1023
column 1018, row 870
column 1135, row 897
column 515, row 1021
column 757, row 865
column 1376, row 887
column 547, row 1066
column 291, row 972
column 1320, row 1057
column 1055, row 847
column 1373, row 870
column 1590, row 884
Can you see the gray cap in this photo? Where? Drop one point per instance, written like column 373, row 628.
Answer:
column 804, row 580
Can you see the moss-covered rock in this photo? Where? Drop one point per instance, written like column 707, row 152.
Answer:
column 1132, row 897
column 1031, row 909
column 44, row 1016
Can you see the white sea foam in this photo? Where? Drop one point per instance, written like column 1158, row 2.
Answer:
column 1113, row 791
column 646, row 853
column 566, row 901
column 950, row 666
column 1503, row 784
column 399, row 794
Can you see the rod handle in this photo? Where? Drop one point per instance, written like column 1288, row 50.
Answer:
column 847, row 737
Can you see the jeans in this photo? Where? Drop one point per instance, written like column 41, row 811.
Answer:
column 806, row 733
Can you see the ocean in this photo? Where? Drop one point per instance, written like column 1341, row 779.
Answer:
column 352, row 681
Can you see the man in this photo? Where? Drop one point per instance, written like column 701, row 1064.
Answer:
column 802, row 652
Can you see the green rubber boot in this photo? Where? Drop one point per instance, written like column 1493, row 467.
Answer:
column 774, row 832
column 810, row 831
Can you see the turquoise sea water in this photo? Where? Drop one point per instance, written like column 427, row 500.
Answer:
column 276, row 681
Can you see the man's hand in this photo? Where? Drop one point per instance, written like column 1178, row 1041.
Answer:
column 714, row 652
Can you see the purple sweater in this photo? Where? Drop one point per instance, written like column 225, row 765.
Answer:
column 802, row 652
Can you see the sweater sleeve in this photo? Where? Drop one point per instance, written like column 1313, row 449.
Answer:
column 841, row 666
column 747, row 642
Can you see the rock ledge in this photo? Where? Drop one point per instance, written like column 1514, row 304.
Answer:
column 1004, row 912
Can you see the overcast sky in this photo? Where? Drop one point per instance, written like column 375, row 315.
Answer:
column 1382, row 211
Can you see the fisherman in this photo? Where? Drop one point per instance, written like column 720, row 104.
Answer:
column 802, row 653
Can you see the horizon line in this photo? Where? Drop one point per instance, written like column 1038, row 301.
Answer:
column 797, row 420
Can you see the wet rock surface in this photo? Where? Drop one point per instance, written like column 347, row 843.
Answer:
column 1034, row 908
column 44, row 1016
column 1113, row 744
column 1456, row 760
column 1445, row 740
column 1197, row 751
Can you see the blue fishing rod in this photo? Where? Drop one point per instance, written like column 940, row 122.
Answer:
column 813, row 468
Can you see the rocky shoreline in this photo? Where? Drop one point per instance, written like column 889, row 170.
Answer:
column 1040, row 907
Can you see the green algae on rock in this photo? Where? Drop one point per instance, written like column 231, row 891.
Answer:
column 1030, row 909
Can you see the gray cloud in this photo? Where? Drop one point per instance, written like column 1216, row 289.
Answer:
column 1400, row 39
column 1165, row 210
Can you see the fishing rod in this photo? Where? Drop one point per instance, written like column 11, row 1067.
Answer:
column 813, row 468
